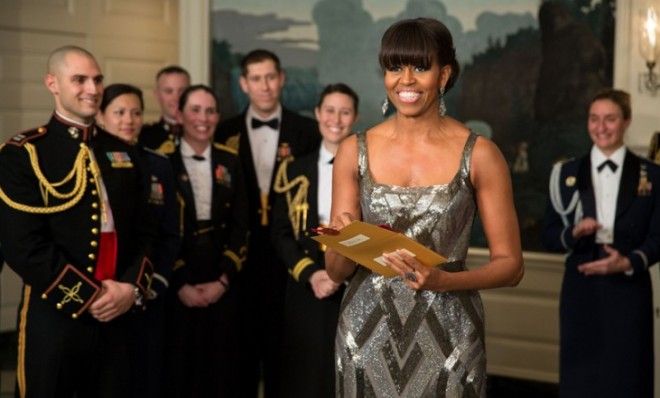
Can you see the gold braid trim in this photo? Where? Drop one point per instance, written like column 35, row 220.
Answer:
column 78, row 171
column 297, row 202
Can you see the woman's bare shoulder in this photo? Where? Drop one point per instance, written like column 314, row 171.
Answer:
column 486, row 150
column 488, row 162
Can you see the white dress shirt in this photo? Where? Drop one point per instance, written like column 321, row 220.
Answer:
column 325, row 185
column 263, row 143
column 606, row 191
column 201, row 180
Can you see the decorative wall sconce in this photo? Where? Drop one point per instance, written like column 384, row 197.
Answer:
column 649, row 47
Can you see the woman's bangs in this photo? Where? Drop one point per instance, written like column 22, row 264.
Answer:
column 407, row 47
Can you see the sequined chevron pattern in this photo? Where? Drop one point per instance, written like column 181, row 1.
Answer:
column 409, row 344
column 396, row 342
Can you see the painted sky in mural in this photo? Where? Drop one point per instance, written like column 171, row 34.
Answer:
column 289, row 25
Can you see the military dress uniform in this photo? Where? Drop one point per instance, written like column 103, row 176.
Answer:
column 161, row 136
column 308, row 368
column 263, row 279
column 606, row 321
column 148, row 338
column 202, row 342
column 55, row 184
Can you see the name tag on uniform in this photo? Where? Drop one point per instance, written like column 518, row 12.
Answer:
column 119, row 160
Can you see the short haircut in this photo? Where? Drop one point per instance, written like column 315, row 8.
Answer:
column 339, row 88
column 115, row 90
column 183, row 99
column 259, row 55
column 419, row 42
column 57, row 56
column 619, row 97
column 172, row 69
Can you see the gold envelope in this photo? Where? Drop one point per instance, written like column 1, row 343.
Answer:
column 365, row 244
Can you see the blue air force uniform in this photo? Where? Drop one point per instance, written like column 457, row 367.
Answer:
column 606, row 321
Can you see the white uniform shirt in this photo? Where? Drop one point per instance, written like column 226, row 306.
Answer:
column 263, row 143
column 201, row 180
column 606, row 191
column 325, row 185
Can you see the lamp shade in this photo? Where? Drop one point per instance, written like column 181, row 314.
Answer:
column 649, row 44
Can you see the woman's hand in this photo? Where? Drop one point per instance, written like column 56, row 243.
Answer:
column 587, row 226
column 191, row 296
column 416, row 275
column 612, row 264
column 341, row 220
column 322, row 285
column 212, row 291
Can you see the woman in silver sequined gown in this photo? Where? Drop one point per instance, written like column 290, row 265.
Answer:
column 420, row 334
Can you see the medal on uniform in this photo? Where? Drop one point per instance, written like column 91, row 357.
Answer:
column 283, row 151
column 644, row 186
column 222, row 176
column 156, row 195
column 119, row 160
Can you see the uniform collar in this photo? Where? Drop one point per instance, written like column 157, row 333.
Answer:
column 598, row 157
column 277, row 114
column 188, row 152
column 76, row 130
column 325, row 156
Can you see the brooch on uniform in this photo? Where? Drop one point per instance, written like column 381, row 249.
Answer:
column 644, row 186
column 283, row 151
column 119, row 160
column 222, row 175
column 156, row 193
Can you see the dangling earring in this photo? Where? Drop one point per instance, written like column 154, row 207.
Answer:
column 442, row 109
column 385, row 107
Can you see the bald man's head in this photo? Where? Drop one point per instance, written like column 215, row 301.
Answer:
column 75, row 80
column 57, row 57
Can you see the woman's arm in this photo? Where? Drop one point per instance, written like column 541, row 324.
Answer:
column 345, row 204
column 494, row 194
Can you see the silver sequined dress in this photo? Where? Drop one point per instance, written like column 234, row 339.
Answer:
column 395, row 342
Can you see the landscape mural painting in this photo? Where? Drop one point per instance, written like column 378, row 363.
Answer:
column 528, row 70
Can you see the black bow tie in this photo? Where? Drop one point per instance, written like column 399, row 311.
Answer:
column 331, row 161
column 198, row 158
column 272, row 123
column 609, row 164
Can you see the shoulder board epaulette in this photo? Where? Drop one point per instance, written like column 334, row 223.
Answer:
column 155, row 152
column 233, row 141
column 225, row 148
column 21, row 138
